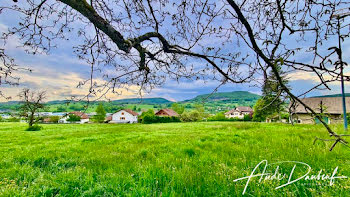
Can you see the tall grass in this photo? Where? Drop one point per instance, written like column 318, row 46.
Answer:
column 174, row 159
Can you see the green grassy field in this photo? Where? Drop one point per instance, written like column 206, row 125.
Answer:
column 174, row 159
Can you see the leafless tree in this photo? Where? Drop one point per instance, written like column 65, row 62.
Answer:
column 7, row 67
column 145, row 42
column 32, row 102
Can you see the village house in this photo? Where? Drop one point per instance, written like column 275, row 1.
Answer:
column 166, row 112
column 123, row 116
column 330, row 108
column 239, row 112
column 47, row 120
column 5, row 116
column 84, row 118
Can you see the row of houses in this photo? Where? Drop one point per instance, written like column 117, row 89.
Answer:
column 329, row 107
column 130, row 116
column 121, row 116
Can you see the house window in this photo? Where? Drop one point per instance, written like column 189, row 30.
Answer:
column 122, row 118
column 122, row 113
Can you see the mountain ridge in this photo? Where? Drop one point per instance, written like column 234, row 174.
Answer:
column 219, row 101
column 226, row 96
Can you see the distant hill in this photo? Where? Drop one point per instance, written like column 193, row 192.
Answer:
column 9, row 103
column 150, row 101
column 236, row 97
column 224, row 101
column 143, row 101
column 213, row 103
column 61, row 105
column 332, row 95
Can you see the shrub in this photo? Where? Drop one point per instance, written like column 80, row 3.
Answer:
column 54, row 119
column 148, row 119
column 285, row 116
column 247, row 118
column 221, row 117
column 73, row 118
column 218, row 117
column 149, row 113
column 13, row 119
column 192, row 116
column 0, row 119
column 34, row 128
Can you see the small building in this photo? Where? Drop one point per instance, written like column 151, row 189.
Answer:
column 239, row 112
column 166, row 112
column 84, row 118
column 5, row 116
column 330, row 108
column 47, row 120
column 123, row 116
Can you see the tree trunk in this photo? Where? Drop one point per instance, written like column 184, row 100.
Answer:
column 31, row 119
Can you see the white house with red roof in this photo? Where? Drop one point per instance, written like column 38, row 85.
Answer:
column 124, row 116
column 84, row 118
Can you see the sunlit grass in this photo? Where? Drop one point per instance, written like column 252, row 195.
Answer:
column 174, row 159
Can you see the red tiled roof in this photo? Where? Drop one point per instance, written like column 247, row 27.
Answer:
column 240, row 109
column 130, row 112
column 169, row 112
column 244, row 109
column 231, row 111
column 82, row 115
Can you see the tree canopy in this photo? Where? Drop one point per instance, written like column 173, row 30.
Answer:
column 100, row 113
column 32, row 102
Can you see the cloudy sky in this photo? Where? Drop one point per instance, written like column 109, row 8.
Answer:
column 60, row 72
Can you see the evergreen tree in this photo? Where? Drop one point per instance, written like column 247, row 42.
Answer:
column 100, row 114
column 273, row 98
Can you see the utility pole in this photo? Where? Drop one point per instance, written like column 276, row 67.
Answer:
column 342, row 14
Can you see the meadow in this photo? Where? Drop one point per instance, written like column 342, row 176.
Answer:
column 172, row 159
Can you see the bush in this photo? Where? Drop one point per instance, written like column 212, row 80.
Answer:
column 34, row 128
column 218, row 117
column 54, row 119
column 1, row 119
column 13, row 119
column 73, row 118
column 149, row 113
column 148, row 119
column 221, row 117
column 192, row 116
column 247, row 117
